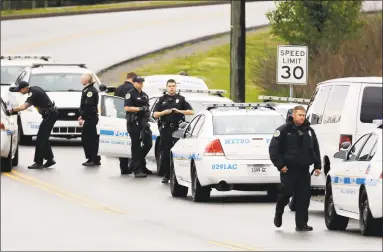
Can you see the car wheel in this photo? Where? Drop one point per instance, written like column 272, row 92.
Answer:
column 15, row 160
column 332, row 219
column 176, row 189
column 367, row 223
column 199, row 193
column 6, row 163
column 292, row 203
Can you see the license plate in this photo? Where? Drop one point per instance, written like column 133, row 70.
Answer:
column 257, row 169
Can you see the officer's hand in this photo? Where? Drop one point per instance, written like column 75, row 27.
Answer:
column 176, row 110
column 167, row 111
column 81, row 122
column 144, row 108
column 284, row 169
column 317, row 172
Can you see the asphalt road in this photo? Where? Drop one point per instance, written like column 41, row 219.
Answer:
column 71, row 207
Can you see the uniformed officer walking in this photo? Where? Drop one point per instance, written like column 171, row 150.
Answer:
column 38, row 97
column 88, row 120
column 137, row 117
column 293, row 148
column 171, row 109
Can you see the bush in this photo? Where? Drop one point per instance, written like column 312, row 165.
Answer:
column 356, row 57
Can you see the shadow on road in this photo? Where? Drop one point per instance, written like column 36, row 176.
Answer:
column 239, row 199
column 58, row 142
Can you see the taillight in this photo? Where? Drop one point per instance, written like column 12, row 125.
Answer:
column 344, row 138
column 2, row 126
column 214, row 148
column 381, row 176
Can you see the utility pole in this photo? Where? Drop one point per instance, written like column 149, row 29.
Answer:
column 237, row 51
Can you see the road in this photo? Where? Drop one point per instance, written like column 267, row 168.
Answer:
column 71, row 207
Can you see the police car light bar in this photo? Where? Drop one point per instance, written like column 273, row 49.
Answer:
column 286, row 99
column 201, row 91
column 236, row 105
column 378, row 122
column 43, row 57
column 57, row 64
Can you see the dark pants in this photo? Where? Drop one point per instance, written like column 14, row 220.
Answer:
column 167, row 142
column 124, row 163
column 295, row 182
column 90, row 139
column 141, row 139
column 43, row 147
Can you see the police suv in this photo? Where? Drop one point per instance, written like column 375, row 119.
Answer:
column 62, row 84
column 285, row 105
column 9, row 141
column 11, row 67
column 354, row 184
column 225, row 147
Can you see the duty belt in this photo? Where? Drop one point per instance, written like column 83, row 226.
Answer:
column 171, row 125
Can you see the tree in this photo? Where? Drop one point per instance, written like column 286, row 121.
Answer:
column 320, row 25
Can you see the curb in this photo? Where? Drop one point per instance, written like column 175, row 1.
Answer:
column 193, row 41
column 138, row 8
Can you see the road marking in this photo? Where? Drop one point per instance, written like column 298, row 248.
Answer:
column 60, row 192
column 84, row 34
column 235, row 246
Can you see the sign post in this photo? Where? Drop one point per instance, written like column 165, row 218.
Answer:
column 292, row 66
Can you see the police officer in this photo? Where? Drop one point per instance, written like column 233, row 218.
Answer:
column 171, row 108
column 137, row 117
column 121, row 91
column 293, row 148
column 183, row 73
column 38, row 97
column 88, row 120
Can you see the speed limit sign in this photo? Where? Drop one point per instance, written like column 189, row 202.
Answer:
column 292, row 65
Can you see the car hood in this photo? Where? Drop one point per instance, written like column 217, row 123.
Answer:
column 65, row 99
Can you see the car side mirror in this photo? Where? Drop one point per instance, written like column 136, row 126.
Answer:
column 314, row 119
column 345, row 145
column 178, row 134
column 342, row 154
column 102, row 87
column 182, row 125
column 289, row 114
column 13, row 89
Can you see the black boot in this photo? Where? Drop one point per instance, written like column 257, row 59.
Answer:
column 88, row 161
column 91, row 163
column 278, row 220
column 49, row 163
column 165, row 179
column 304, row 228
column 36, row 166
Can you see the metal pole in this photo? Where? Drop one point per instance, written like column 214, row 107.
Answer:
column 291, row 91
column 237, row 50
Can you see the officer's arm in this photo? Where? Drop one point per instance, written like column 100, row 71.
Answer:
column 157, row 113
column 22, row 107
column 276, row 148
column 317, row 161
column 188, row 110
column 128, row 105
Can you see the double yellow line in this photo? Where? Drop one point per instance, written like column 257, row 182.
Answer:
column 235, row 246
column 61, row 193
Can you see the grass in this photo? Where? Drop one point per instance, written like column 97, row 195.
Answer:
column 213, row 65
column 35, row 11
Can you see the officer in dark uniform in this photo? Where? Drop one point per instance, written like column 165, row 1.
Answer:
column 137, row 117
column 38, row 97
column 171, row 108
column 121, row 91
column 89, row 119
column 293, row 148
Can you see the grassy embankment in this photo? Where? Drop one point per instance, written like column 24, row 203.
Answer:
column 5, row 13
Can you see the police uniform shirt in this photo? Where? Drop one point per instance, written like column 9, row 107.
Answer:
column 89, row 102
column 136, row 99
column 38, row 98
column 123, row 89
column 168, row 102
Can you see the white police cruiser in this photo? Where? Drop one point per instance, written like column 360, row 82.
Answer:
column 354, row 184
column 9, row 143
column 62, row 84
column 226, row 147
column 11, row 67
column 196, row 98
column 284, row 105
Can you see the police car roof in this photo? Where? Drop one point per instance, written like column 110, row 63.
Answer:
column 60, row 69
column 21, row 62
column 235, row 111
column 373, row 80
column 205, row 97
column 161, row 79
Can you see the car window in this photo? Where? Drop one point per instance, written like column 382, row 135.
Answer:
column 3, row 107
column 335, row 104
column 364, row 155
column 112, row 106
column 152, row 102
column 191, row 126
column 316, row 109
column 20, row 78
column 9, row 74
column 357, row 147
column 371, row 108
column 198, row 126
column 246, row 124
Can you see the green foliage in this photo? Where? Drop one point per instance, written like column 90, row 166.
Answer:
column 321, row 25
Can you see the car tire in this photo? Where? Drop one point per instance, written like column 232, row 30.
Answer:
column 177, row 190
column 333, row 221
column 292, row 203
column 15, row 160
column 199, row 193
column 367, row 223
column 6, row 163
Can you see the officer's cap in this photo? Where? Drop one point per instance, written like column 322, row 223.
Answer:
column 22, row 84
column 138, row 79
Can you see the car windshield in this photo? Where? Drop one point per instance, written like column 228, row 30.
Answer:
column 9, row 74
column 58, row 82
column 198, row 106
column 246, row 124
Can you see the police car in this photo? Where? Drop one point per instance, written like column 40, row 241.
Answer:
column 9, row 143
column 11, row 67
column 284, row 108
column 226, row 147
column 196, row 98
column 354, row 184
column 62, row 84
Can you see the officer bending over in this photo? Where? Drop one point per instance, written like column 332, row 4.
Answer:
column 89, row 119
column 38, row 97
column 293, row 148
column 137, row 117
column 121, row 91
column 171, row 108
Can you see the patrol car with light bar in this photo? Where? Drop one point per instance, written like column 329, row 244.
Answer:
column 62, row 84
column 225, row 147
column 284, row 105
column 354, row 184
column 196, row 98
column 9, row 141
column 11, row 67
